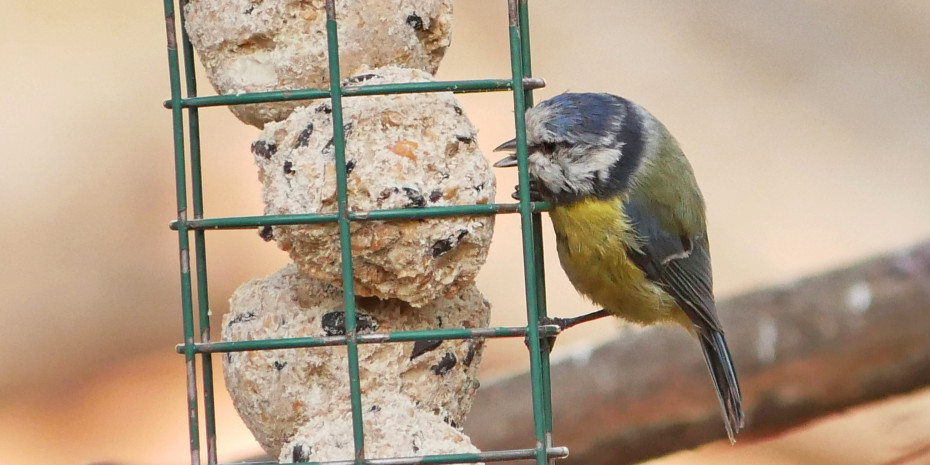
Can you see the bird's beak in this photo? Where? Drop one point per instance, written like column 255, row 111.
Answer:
column 510, row 160
column 510, row 145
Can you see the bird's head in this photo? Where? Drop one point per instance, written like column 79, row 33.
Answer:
column 580, row 145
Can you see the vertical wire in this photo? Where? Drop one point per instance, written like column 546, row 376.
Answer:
column 203, row 300
column 540, row 272
column 526, row 222
column 528, row 99
column 345, row 241
column 183, row 231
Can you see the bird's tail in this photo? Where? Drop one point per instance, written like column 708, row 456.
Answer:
column 721, row 369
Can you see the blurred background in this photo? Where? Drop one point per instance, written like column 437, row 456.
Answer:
column 806, row 123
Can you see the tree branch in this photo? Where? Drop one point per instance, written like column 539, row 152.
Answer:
column 801, row 350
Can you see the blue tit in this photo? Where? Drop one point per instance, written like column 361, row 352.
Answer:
column 629, row 220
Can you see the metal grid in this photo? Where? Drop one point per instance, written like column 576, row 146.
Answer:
column 521, row 84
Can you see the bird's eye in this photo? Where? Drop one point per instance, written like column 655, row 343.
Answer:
column 544, row 148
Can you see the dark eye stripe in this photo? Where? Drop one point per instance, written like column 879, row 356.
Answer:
column 547, row 147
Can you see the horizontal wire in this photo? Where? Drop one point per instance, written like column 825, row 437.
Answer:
column 371, row 338
column 489, row 456
column 241, row 222
column 459, row 87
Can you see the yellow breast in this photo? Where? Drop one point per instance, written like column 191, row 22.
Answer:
column 592, row 237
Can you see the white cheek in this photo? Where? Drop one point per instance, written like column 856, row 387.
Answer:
column 579, row 177
column 605, row 160
column 549, row 174
column 583, row 168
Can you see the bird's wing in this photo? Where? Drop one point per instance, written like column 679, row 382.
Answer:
column 678, row 262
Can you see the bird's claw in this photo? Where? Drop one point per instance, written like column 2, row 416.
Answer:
column 548, row 342
column 535, row 196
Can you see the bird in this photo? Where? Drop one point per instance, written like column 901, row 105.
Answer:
column 629, row 221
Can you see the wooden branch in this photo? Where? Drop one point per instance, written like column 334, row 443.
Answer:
column 801, row 350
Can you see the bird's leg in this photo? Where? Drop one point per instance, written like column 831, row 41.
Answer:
column 565, row 323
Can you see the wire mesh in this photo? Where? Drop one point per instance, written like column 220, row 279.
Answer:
column 197, row 339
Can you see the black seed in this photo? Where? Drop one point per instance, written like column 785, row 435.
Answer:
column 439, row 321
column 415, row 197
column 470, row 355
column 334, row 323
column 304, row 137
column 228, row 357
column 301, row 453
column 443, row 175
column 359, row 78
column 440, row 247
column 449, row 421
column 415, row 22
column 435, row 195
column 365, row 323
column 424, row 346
column 465, row 139
column 288, row 167
column 444, row 365
column 374, row 408
column 479, row 187
column 415, row 448
column 266, row 233
column 350, row 165
column 324, row 108
column 248, row 316
column 458, row 110
column 264, row 149
column 250, row 9
column 331, row 141
column 278, row 365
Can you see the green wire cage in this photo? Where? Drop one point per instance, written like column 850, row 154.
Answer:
column 197, row 343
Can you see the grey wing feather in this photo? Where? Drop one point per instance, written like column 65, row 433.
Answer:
column 679, row 263
column 689, row 282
